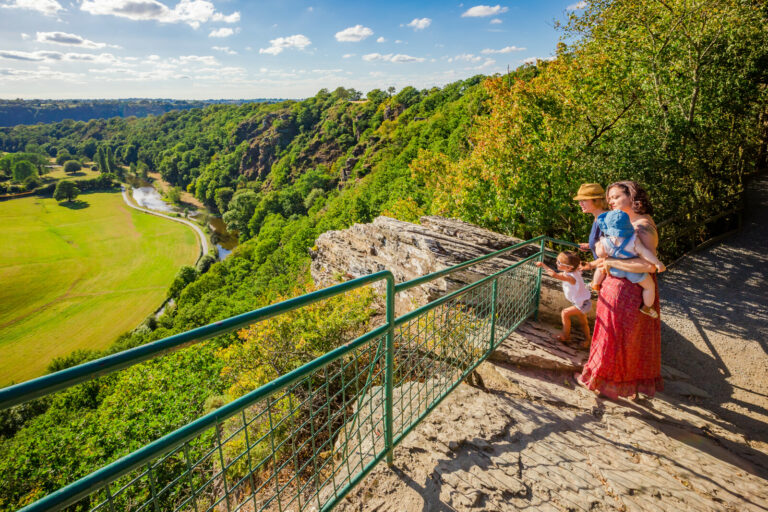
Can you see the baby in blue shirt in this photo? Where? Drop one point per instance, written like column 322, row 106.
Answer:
column 619, row 241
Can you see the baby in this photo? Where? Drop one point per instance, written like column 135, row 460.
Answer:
column 575, row 291
column 619, row 241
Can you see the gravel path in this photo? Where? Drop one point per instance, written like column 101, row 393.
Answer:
column 200, row 235
column 715, row 320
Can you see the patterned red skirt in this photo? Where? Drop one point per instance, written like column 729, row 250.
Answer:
column 625, row 356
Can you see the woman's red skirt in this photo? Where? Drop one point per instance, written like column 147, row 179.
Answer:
column 625, row 355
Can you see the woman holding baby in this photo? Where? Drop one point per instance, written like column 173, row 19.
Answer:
column 625, row 354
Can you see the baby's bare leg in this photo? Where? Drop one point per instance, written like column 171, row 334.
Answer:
column 649, row 256
column 597, row 278
column 649, row 291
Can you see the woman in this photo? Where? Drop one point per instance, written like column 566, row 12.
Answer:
column 625, row 356
column 591, row 198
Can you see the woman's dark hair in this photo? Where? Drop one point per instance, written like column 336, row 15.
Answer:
column 637, row 194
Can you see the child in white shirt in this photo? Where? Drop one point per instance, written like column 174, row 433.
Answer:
column 575, row 291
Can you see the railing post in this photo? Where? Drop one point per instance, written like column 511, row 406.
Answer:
column 538, row 279
column 494, row 296
column 388, row 375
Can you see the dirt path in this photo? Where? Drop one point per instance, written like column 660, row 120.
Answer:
column 200, row 234
column 715, row 320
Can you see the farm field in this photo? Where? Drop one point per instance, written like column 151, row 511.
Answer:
column 76, row 278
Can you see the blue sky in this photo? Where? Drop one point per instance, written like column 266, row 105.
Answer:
column 200, row 49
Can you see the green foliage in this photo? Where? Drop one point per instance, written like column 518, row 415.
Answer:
column 186, row 275
column 66, row 190
column 72, row 166
column 23, row 170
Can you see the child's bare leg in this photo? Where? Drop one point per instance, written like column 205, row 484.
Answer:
column 649, row 291
column 585, row 328
column 597, row 278
column 649, row 296
column 565, row 316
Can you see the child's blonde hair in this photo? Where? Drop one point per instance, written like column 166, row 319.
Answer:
column 569, row 258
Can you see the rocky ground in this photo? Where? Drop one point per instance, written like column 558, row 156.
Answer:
column 528, row 438
column 715, row 320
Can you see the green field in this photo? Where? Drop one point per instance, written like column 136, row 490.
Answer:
column 78, row 278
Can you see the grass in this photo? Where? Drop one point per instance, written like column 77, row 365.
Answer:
column 78, row 277
column 58, row 173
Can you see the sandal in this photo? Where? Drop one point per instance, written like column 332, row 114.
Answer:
column 646, row 310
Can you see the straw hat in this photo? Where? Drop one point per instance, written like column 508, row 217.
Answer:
column 590, row 191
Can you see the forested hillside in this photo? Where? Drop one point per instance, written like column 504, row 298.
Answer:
column 13, row 112
column 666, row 93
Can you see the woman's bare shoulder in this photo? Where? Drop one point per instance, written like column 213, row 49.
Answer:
column 646, row 231
column 645, row 224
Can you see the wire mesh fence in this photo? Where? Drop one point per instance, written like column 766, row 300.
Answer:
column 303, row 441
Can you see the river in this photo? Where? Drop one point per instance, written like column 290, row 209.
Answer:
column 146, row 196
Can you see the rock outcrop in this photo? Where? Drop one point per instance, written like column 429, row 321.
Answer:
column 414, row 250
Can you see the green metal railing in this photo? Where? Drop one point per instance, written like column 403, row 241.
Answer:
column 304, row 440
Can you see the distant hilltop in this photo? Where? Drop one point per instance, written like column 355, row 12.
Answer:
column 13, row 112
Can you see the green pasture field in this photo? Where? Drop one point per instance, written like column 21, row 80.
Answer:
column 59, row 174
column 78, row 277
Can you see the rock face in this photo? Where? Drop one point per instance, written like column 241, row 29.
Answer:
column 529, row 439
column 414, row 250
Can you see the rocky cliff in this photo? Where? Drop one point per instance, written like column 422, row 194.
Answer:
column 414, row 250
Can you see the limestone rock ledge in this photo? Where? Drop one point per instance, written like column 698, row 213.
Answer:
column 530, row 439
column 414, row 250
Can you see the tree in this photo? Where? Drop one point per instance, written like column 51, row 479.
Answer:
column 222, row 197
column 72, row 166
column 66, row 190
column 174, row 195
column 22, row 170
column 186, row 275
column 62, row 156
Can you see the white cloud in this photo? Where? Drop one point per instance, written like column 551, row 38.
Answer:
column 496, row 21
column 25, row 36
column 232, row 18
column 47, row 7
column 277, row 46
column 192, row 12
column 348, row 55
column 506, row 49
column 48, row 56
column 225, row 49
column 577, row 6
column 207, row 60
column 397, row 41
column 381, row 40
column 221, row 32
column 374, row 57
column 420, row 23
column 530, row 60
column 481, row 11
column 467, row 57
column 353, row 34
column 66, row 39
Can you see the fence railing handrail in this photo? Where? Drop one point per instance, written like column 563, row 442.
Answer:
column 48, row 384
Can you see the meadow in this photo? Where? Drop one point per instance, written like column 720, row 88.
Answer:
column 77, row 276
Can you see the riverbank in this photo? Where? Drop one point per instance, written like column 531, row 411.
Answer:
column 202, row 238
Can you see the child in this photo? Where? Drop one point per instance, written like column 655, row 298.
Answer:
column 575, row 291
column 619, row 241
